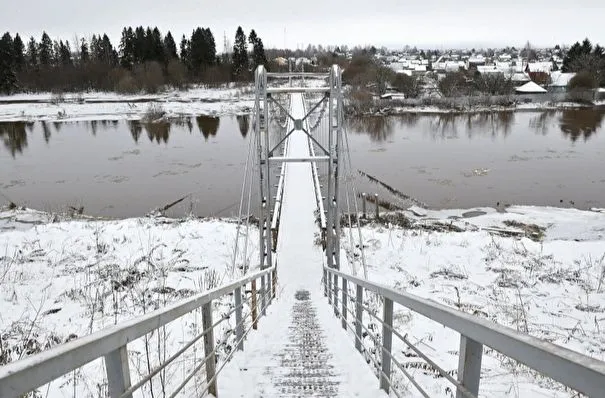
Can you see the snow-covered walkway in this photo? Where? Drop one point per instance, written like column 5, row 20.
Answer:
column 299, row 348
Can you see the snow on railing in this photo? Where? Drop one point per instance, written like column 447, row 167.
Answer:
column 574, row 370
column 23, row 376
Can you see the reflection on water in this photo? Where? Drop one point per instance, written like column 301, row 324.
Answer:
column 379, row 128
column 581, row 122
column 208, row 125
column 442, row 126
column 159, row 131
column 243, row 121
column 572, row 122
column 541, row 123
column 129, row 171
column 464, row 160
column 523, row 157
column 14, row 136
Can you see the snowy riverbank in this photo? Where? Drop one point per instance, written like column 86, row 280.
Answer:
column 112, row 106
column 435, row 109
column 536, row 269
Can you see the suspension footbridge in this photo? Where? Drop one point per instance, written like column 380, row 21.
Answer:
column 300, row 317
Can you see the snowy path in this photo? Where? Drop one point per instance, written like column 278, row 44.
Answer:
column 299, row 349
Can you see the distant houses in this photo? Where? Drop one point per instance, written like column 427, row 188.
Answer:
column 544, row 72
column 530, row 88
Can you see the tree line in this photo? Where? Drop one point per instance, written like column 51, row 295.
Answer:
column 588, row 62
column 144, row 59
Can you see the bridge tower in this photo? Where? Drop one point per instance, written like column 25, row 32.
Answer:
column 326, row 149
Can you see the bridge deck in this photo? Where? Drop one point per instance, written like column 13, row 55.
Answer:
column 289, row 355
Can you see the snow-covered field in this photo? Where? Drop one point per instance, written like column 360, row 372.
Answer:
column 60, row 280
column 538, row 270
column 542, row 272
column 111, row 106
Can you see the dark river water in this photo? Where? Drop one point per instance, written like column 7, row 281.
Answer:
column 123, row 169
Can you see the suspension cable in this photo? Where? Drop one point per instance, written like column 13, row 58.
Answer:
column 241, row 205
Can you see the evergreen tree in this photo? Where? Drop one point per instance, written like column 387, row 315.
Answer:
column 139, row 45
column 240, row 54
column 258, row 50
column 65, row 53
column 202, row 49
column 185, row 52
column 127, row 45
column 84, row 52
column 148, row 45
column 95, row 49
column 586, row 46
column 56, row 53
column 18, row 52
column 109, row 55
column 45, row 51
column 8, row 78
column 157, row 49
column 209, row 57
column 32, row 53
column 169, row 47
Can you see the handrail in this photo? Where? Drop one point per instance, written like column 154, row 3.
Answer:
column 579, row 372
column 316, row 185
column 23, row 376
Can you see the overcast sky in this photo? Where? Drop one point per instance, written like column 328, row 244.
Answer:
column 393, row 23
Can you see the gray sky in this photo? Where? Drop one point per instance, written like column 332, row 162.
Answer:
column 394, row 23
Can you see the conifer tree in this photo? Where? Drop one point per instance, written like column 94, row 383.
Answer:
column 258, row 50
column 185, row 52
column 127, row 56
column 169, row 47
column 32, row 53
column 18, row 53
column 240, row 54
column 8, row 78
column 84, row 52
column 45, row 51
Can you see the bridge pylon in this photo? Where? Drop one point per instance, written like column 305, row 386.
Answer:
column 324, row 148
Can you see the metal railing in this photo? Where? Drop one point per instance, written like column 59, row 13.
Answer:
column 574, row 370
column 28, row 374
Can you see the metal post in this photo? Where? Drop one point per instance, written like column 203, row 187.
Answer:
column 364, row 204
column 263, row 295
column 329, row 283
column 118, row 372
column 269, row 288
column 263, row 220
column 335, row 289
column 330, row 182
column 377, row 205
column 387, row 341
column 269, row 201
column 253, row 305
column 469, row 365
column 339, row 119
column 209, row 347
column 239, row 324
column 275, row 283
column 325, row 283
column 345, row 300
column 358, row 316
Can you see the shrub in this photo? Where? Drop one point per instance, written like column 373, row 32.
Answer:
column 582, row 81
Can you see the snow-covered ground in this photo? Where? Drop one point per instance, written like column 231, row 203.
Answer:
column 533, row 106
column 112, row 106
column 65, row 279
column 535, row 269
